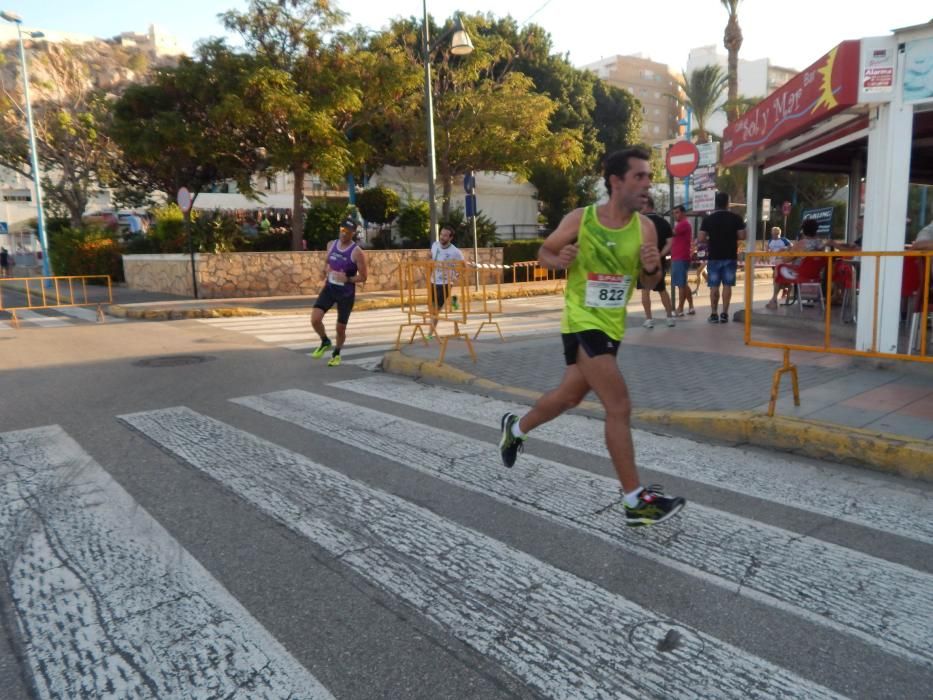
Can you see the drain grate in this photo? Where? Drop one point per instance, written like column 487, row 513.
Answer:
column 173, row 360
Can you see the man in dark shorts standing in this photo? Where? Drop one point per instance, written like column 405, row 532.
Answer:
column 723, row 229
column 665, row 237
column 604, row 249
column 345, row 267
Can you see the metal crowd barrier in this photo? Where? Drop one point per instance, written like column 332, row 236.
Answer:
column 53, row 292
column 531, row 272
column 462, row 303
column 846, row 267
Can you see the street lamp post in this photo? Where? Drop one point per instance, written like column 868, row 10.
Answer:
column 460, row 45
column 33, row 154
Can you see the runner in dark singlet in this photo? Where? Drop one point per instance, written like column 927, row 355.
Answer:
column 344, row 269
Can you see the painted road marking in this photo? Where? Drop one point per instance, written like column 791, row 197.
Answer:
column 563, row 636
column 85, row 314
column 861, row 500
column 107, row 602
column 37, row 319
column 374, row 327
column 884, row 604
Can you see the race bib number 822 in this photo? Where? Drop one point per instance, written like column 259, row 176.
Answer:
column 607, row 291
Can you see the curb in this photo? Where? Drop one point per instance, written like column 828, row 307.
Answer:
column 894, row 454
column 176, row 314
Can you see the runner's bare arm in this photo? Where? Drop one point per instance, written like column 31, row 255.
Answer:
column 560, row 248
column 326, row 254
column 649, row 255
column 359, row 257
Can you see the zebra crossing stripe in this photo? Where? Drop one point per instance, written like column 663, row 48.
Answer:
column 37, row 319
column 563, row 636
column 84, row 314
column 862, row 500
column 884, row 604
column 107, row 602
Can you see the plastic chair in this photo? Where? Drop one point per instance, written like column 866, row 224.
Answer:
column 910, row 290
column 845, row 276
column 809, row 278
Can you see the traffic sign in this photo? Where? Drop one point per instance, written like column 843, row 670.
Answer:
column 184, row 199
column 709, row 153
column 785, row 208
column 682, row 159
column 704, row 200
column 765, row 209
column 469, row 183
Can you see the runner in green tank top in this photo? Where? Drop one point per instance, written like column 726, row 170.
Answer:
column 604, row 248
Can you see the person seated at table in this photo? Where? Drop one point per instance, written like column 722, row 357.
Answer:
column 924, row 239
column 786, row 275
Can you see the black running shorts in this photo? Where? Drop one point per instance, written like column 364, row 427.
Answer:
column 593, row 343
column 327, row 299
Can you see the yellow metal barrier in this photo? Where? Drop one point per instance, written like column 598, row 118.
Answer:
column 531, row 271
column 916, row 318
column 53, row 292
column 419, row 302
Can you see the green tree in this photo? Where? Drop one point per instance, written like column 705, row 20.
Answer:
column 294, row 100
column 732, row 40
column 487, row 115
column 703, row 90
column 380, row 205
column 76, row 156
column 616, row 116
column 173, row 132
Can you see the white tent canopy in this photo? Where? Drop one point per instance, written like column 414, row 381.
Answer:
column 218, row 200
column 500, row 196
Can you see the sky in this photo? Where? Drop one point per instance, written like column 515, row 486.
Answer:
column 791, row 33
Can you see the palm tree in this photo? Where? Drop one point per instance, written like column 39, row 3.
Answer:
column 703, row 90
column 732, row 40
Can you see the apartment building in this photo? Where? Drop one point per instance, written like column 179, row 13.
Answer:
column 653, row 84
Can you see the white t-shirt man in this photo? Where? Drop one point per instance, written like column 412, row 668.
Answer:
column 443, row 251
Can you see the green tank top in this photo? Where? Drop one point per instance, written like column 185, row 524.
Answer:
column 602, row 277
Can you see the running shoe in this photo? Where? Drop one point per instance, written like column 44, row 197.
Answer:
column 724, row 318
column 670, row 321
column 509, row 445
column 649, row 323
column 653, row 507
column 334, row 361
column 713, row 318
column 324, row 347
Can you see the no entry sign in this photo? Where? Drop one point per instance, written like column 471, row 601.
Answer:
column 682, row 159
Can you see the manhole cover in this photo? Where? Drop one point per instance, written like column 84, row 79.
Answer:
column 173, row 360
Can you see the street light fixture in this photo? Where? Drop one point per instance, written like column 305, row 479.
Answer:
column 33, row 154
column 460, row 45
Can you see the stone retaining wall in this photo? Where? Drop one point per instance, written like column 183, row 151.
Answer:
column 232, row 275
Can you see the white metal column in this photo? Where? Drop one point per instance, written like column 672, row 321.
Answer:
column 887, row 176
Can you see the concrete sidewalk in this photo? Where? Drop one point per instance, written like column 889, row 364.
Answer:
column 703, row 379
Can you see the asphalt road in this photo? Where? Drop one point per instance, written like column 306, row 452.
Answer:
column 188, row 510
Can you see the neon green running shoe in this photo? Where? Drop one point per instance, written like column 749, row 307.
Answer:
column 334, row 361
column 653, row 507
column 325, row 346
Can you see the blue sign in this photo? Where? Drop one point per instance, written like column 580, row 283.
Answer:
column 3, row 227
column 469, row 183
column 470, row 201
column 823, row 216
